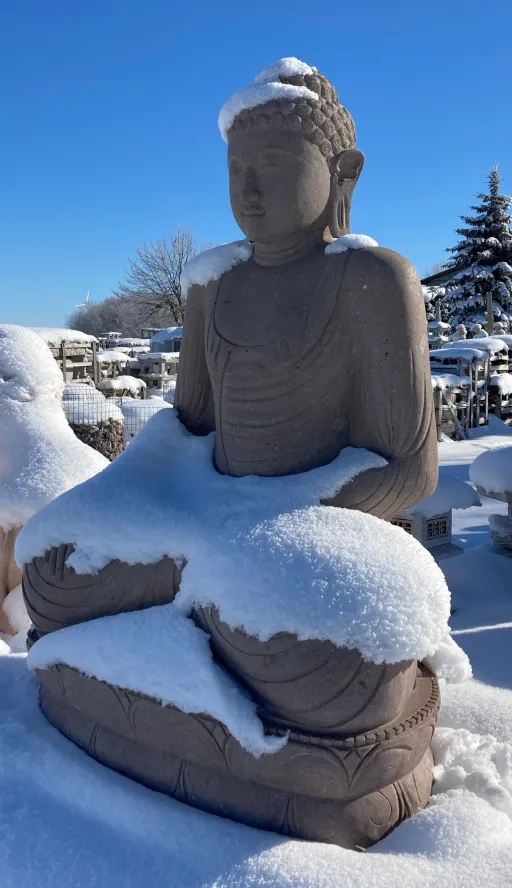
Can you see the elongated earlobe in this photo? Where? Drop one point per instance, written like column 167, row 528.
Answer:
column 345, row 171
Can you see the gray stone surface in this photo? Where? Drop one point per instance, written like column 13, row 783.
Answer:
column 289, row 357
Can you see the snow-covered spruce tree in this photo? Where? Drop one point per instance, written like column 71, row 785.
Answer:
column 483, row 258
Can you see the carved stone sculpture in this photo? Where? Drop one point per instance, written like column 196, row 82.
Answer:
column 308, row 341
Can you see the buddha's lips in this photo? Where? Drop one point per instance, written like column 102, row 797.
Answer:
column 253, row 212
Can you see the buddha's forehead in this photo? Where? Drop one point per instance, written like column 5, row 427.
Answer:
column 248, row 145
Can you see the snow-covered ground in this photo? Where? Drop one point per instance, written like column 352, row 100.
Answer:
column 68, row 822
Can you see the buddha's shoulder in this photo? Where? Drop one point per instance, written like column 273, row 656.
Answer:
column 201, row 275
column 374, row 264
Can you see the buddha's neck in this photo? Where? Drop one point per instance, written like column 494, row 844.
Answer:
column 272, row 255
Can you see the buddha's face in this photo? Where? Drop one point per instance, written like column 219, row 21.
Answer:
column 279, row 184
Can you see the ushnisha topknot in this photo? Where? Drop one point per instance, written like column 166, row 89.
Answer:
column 292, row 95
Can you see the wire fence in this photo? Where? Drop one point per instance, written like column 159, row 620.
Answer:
column 108, row 424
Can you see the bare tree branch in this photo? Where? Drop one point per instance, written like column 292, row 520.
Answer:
column 152, row 286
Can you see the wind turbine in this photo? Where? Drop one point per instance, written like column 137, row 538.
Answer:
column 86, row 303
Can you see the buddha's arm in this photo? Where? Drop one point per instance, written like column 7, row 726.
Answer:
column 194, row 398
column 391, row 413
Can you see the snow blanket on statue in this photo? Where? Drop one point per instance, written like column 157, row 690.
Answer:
column 263, row 551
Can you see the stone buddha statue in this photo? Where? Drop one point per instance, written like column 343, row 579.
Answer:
column 299, row 342
column 303, row 349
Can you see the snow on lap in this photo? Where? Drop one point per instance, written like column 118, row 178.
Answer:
column 262, row 550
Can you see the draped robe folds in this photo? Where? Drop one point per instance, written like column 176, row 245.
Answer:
column 289, row 365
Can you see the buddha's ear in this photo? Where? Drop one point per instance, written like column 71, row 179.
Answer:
column 345, row 170
column 347, row 165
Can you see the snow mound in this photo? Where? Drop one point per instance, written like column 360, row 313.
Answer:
column 113, row 356
column 287, row 67
column 262, row 550
column 351, row 242
column 483, row 765
column 79, row 819
column 212, row 264
column 502, row 382
column 14, row 608
column 489, row 344
column 160, row 653
column 53, row 336
column 266, row 87
column 445, row 381
column 40, row 457
column 492, row 471
column 122, row 383
column 450, row 493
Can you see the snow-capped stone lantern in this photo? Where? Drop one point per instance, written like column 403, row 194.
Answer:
column 437, row 334
column 430, row 521
column 491, row 472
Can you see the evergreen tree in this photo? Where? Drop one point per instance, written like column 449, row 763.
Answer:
column 483, row 261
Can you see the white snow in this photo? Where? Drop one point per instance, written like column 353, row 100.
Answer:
column 490, row 344
column 262, row 550
column 351, row 242
column 287, row 67
column 40, row 457
column 68, row 821
column 446, row 381
column 14, row 608
column 113, row 356
column 212, row 264
column 502, row 382
column 131, row 342
column 453, row 350
column 492, row 471
column 482, row 764
column 122, row 383
column 438, row 325
column 502, row 268
column 162, row 356
column 450, row 493
column 266, row 87
column 176, row 667
column 53, row 336
column 137, row 412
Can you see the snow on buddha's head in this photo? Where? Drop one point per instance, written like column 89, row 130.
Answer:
column 292, row 95
column 290, row 146
column 27, row 367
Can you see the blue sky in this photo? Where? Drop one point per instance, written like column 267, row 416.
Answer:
column 109, row 125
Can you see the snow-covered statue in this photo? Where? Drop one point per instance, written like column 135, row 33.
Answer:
column 477, row 331
column 460, row 333
column 263, row 655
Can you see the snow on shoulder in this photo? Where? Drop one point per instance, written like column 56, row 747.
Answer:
column 40, row 455
column 266, row 87
column 351, row 242
column 261, row 550
column 212, row 264
column 492, row 471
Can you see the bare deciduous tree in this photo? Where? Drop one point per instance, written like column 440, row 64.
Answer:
column 100, row 317
column 153, row 281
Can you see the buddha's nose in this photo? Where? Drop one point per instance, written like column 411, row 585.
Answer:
column 251, row 195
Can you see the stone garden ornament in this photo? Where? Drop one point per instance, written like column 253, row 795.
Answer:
column 260, row 654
